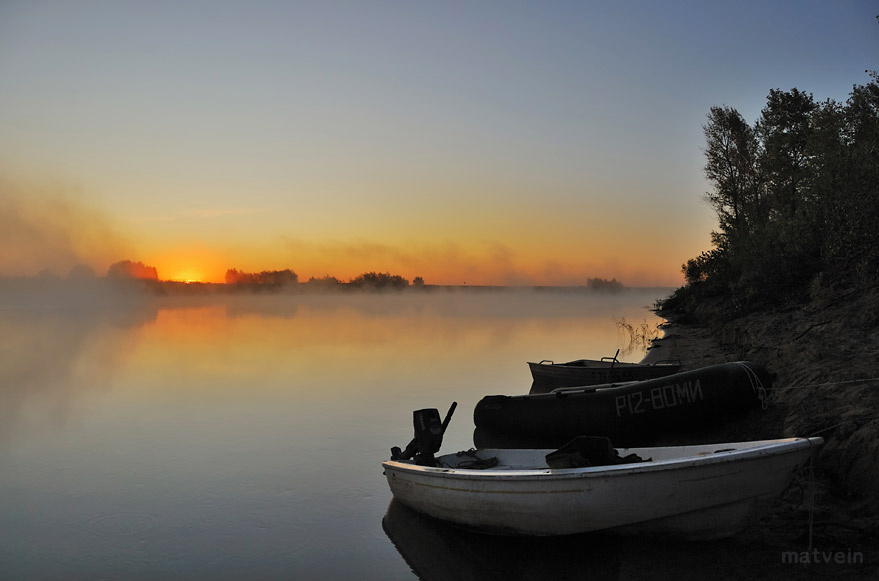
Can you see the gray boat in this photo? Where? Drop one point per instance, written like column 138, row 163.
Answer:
column 549, row 375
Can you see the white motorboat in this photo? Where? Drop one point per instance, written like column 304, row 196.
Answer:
column 697, row 492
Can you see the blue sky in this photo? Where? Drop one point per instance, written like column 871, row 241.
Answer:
column 513, row 141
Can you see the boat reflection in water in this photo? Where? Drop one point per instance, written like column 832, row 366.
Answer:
column 437, row 550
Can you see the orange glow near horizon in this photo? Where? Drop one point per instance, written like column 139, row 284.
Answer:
column 189, row 265
column 474, row 248
column 501, row 265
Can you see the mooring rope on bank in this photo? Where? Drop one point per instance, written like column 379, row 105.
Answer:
column 811, row 499
column 845, row 382
column 867, row 380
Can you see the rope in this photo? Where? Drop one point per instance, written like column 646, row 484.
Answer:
column 827, row 429
column 805, row 480
column 823, row 384
column 765, row 395
column 756, row 385
column 811, row 500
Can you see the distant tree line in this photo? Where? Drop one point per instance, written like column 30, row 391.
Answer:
column 288, row 278
column 796, row 196
column 264, row 281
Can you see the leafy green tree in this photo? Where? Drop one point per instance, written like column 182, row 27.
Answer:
column 784, row 129
column 731, row 165
column 860, row 250
column 796, row 196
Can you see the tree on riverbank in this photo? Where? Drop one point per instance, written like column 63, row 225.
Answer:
column 378, row 281
column 797, row 199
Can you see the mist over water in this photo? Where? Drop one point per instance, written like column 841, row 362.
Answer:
column 47, row 223
column 241, row 436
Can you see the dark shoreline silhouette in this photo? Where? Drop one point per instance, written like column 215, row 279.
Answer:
column 137, row 278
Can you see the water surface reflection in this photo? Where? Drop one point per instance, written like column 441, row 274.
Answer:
column 438, row 551
column 241, row 437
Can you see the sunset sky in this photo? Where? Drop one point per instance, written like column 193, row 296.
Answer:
column 479, row 142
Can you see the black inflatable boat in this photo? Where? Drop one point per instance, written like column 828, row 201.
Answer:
column 628, row 412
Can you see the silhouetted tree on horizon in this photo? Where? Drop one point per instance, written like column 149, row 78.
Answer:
column 378, row 281
column 127, row 269
column 81, row 272
column 604, row 285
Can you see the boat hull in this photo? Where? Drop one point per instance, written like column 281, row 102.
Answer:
column 631, row 413
column 710, row 495
column 547, row 376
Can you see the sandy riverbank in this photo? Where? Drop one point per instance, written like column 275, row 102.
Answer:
column 825, row 357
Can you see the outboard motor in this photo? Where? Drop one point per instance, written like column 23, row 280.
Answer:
column 428, row 435
column 429, row 432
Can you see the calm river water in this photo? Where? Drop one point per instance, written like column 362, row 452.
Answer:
column 241, row 438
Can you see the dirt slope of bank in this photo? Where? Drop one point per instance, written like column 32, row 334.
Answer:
column 825, row 356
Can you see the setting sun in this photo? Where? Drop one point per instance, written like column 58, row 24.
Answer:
column 188, row 276
column 188, row 265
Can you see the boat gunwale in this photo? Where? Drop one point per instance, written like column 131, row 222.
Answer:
column 600, row 365
column 766, row 448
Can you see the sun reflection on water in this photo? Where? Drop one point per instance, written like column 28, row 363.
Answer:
column 205, row 435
